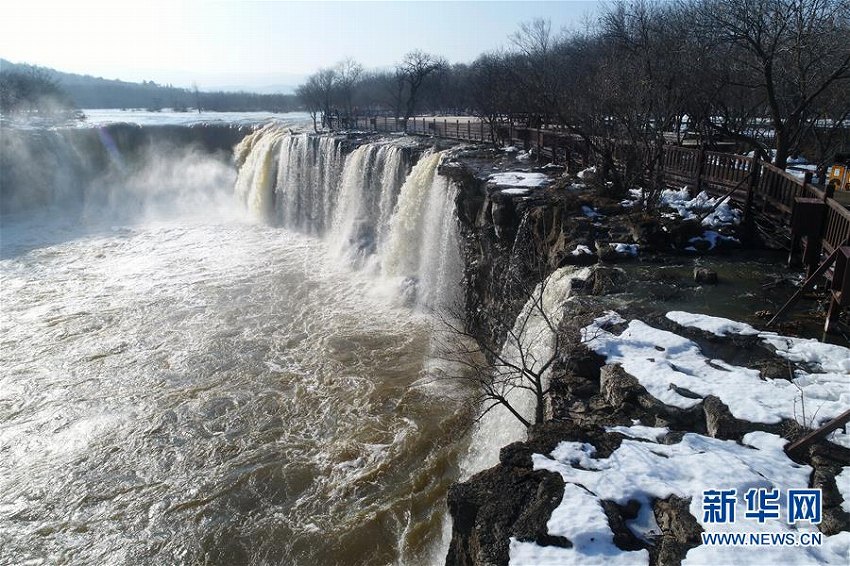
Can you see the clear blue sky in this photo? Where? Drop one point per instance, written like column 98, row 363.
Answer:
column 254, row 44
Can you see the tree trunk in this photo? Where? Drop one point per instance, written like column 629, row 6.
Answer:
column 782, row 147
column 538, row 409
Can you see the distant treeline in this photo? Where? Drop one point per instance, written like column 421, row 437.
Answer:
column 23, row 82
column 761, row 73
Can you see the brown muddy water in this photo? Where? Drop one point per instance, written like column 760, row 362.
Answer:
column 213, row 393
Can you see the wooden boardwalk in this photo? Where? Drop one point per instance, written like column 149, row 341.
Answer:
column 759, row 187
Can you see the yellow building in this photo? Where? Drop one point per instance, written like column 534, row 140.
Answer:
column 839, row 174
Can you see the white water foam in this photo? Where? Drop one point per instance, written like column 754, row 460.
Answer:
column 373, row 214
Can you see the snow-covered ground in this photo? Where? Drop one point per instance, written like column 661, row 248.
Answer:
column 519, row 179
column 645, row 469
column 660, row 359
column 642, row 469
column 625, row 249
column 689, row 208
column 581, row 249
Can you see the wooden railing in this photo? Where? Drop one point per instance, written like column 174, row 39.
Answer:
column 468, row 129
column 725, row 168
column 681, row 165
column 751, row 182
column 836, row 232
column 778, row 189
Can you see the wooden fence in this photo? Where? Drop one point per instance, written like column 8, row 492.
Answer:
column 758, row 186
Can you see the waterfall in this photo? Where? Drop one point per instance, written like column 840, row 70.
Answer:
column 370, row 211
column 369, row 188
column 306, row 179
column 117, row 172
column 289, row 179
column 255, row 185
column 536, row 340
column 421, row 251
column 105, row 169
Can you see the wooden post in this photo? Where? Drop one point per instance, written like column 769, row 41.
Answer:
column 700, row 168
column 755, row 173
column 808, row 284
column 819, row 434
column 807, row 222
column 481, row 124
column 414, row 124
column 468, row 130
column 828, row 192
column 839, row 292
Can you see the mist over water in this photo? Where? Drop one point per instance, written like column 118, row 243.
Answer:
column 186, row 384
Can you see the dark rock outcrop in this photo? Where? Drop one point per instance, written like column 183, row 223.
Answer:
column 507, row 501
column 705, row 276
column 680, row 531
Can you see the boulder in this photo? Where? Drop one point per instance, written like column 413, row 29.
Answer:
column 500, row 503
column 680, row 531
column 719, row 420
column 704, row 275
column 618, row 387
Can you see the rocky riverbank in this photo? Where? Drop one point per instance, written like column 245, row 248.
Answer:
column 648, row 406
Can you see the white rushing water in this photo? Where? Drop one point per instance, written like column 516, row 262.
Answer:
column 183, row 384
column 543, row 311
column 374, row 208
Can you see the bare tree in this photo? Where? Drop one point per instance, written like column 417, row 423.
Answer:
column 490, row 90
column 534, row 69
column 310, row 94
column 196, row 93
column 326, row 88
column 827, row 130
column 414, row 69
column 348, row 74
column 34, row 90
column 506, row 353
column 642, row 86
column 787, row 53
column 496, row 371
column 394, row 86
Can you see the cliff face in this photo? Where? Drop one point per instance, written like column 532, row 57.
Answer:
column 510, row 243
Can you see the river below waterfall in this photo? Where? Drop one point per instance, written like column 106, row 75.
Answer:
column 187, row 385
column 213, row 393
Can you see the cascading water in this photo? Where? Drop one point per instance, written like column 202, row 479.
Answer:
column 198, row 388
column 543, row 311
column 373, row 213
column 110, row 167
column 306, row 182
column 370, row 186
column 255, row 185
column 422, row 244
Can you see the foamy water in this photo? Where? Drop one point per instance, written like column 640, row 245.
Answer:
column 184, row 384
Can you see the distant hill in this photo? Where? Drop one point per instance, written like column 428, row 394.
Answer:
column 87, row 91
